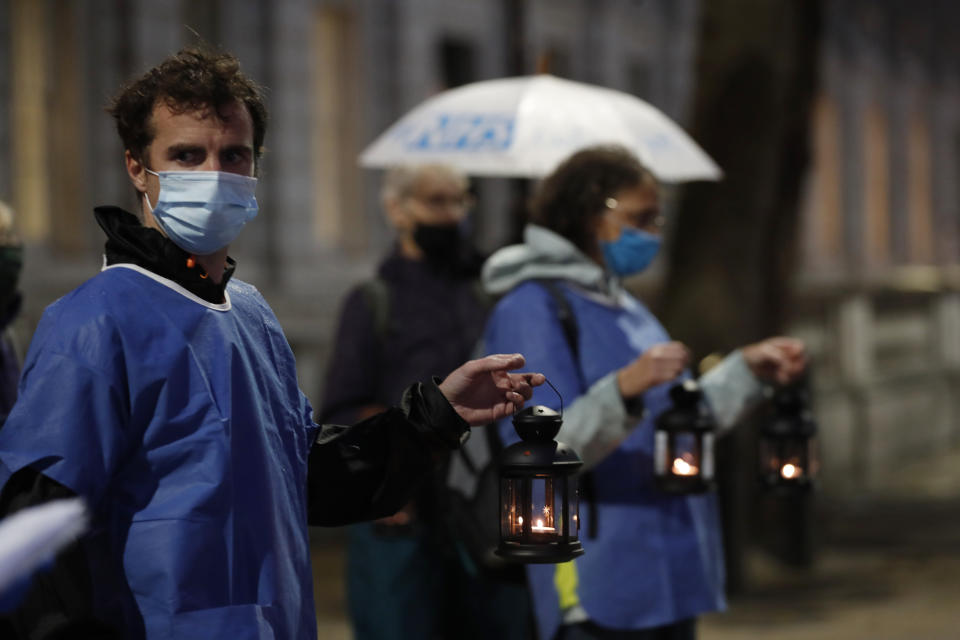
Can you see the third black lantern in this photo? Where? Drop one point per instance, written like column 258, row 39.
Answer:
column 788, row 457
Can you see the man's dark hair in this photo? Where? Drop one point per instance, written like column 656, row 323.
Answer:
column 576, row 192
column 191, row 80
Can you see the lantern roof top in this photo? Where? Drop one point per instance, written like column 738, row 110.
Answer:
column 533, row 457
column 688, row 414
column 537, row 423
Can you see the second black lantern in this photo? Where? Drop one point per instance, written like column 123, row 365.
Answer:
column 683, row 460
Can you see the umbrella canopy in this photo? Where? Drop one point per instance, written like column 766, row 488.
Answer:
column 525, row 126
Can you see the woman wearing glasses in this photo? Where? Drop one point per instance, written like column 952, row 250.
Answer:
column 653, row 562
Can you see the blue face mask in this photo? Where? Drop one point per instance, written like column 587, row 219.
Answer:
column 632, row 252
column 203, row 211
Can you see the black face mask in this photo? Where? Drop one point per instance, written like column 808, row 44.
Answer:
column 441, row 244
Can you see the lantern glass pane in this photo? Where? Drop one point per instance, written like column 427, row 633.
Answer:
column 794, row 459
column 511, row 520
column 543, row 506
column 559, row 489
column 684, row 456
column 706, row 456
column 572, row 521
column 788, row 458
column 770, row 455
column 661, row 453
column 813, row 457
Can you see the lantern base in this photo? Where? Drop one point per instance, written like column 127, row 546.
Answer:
column 684, row 484
column 776, row 483
column 532, row 553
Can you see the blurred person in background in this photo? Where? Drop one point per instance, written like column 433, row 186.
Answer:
column 11, row 262
column 164, row 393
column 420, row 315
column 653, row 562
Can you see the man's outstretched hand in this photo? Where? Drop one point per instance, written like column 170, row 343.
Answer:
column 484, row 390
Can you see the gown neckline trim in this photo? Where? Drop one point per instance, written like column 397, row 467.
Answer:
column 170, row 284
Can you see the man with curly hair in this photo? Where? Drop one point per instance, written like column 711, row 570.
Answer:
column 163, row 392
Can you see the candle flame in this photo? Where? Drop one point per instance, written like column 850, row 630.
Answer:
column 790, row 471
column 683, row 468
column 539, row 526
column 520, row 520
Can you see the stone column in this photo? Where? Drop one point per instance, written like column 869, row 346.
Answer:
column 854, row 343
column 945, row 348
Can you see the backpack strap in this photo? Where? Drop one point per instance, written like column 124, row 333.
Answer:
column 568, row 321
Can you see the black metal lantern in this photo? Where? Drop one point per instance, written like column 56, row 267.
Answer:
column 683, row 458
column 787, row 447
column 539, row 507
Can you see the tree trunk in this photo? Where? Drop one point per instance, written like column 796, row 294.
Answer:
column 734, row 247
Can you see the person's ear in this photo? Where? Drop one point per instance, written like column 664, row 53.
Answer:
column 594, row 226
column 136, row 171
column 397, row 214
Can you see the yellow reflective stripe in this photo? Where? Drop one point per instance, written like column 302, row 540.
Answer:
column 565, row 580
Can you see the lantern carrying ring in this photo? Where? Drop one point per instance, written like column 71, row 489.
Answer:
column 558, row 395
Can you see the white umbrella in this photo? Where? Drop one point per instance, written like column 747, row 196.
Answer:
column 525, row 126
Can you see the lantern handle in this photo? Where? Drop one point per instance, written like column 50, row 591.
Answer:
column 556, row 392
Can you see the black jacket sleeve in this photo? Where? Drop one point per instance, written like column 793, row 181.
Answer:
column 370, row 470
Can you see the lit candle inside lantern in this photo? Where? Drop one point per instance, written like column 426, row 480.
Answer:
column 538, row 526
column 683, row 468
column 790, row 471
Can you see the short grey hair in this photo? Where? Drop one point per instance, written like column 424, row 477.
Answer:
column 8, row 234
column 399, row 180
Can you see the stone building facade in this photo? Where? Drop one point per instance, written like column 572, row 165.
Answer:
column 880, row 276
column 337, row 72
column 881, row 245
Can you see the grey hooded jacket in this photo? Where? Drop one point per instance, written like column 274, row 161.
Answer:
column 596, row 423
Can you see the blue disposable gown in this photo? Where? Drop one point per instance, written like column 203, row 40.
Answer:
column 656, row 559
column 182, row 424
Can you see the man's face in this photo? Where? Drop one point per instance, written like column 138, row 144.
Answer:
column 193, row 141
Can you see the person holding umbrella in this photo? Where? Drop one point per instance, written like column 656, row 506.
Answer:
column 422, row 314
column 653, row 562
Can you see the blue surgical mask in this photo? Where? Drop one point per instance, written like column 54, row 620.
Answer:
column 203, row 211
column 632, row 252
